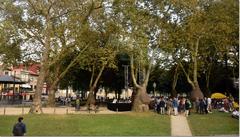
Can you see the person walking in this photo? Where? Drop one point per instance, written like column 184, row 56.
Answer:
column 162, row 106
column 19, row 129
column 209, row 101
column 77, row 103
column 187, row 107
column 175, row 106
column 169, row 106
column 197, row 105
column 158, row 105
column 201, row 105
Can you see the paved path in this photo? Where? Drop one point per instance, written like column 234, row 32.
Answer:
column 57, row 110
column 179, row 126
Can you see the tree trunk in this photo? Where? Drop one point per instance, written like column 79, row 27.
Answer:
column 174, row 83
column 51, row 95
column 37, row 104
column 196, row 92
column 208, row 80
column 141, row 100
column 91, row 98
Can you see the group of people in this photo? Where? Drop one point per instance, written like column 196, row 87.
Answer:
column 224, row 105
column 203, row 106
column 173, row 105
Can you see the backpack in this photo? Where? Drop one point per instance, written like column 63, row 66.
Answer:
column 18, row 129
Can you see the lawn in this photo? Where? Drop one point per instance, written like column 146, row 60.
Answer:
column 217, row 123
column 76, row 125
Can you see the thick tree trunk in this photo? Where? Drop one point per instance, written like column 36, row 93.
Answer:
column 91, row 98
column 141, row 100
column 37, row 104
column 196, row 92
column 51, row 96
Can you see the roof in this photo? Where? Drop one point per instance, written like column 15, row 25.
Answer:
column 33, row 68
column 6, row 79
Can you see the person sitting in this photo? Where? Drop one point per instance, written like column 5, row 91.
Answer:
column 19, row 129
column 235, row 114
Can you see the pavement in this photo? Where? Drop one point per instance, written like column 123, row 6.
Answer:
column 179, row 126
column 57, row 110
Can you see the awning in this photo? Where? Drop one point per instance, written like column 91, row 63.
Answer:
column 6, row 79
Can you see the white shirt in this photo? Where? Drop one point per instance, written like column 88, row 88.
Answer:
column 209, row 100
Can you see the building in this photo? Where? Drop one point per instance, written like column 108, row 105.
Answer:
column 27, row 74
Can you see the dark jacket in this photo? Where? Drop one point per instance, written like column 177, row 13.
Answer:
column 187, row 105
column 19, row 129
column 162, row 103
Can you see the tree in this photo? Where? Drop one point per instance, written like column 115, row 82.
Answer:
column 10, row 52
column 144, row 25
column 37, row 22
column 204, row 29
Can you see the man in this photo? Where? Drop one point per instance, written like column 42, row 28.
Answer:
column 162, row 106
column 209, row 105
column 175, row 106
column 77, row 103
column 169, row 106
column 19, row 129
column 187, row 107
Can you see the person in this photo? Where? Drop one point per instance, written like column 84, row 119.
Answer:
column 205, row 100
column 235, row 113
column 162, row 106
column 209, row 101
column 158, row 105
column 169, row 106
column 78, row 103
column 187, row 107
column 175, row 106
column 197, row 105
column 19, row 129
column 201, row 105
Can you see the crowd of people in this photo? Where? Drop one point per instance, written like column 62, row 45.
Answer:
column 183, row 105
column 172, row 106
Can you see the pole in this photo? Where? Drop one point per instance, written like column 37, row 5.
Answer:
column 14, row 86
column 154, row 87
column 126, row 78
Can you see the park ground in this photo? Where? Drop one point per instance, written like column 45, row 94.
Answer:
column 121, row 124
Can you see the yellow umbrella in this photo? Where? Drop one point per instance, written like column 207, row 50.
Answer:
column 218, row 96
column 235, row 104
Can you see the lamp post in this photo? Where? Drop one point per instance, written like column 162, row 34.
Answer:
column 154, row 87
column 125, row 79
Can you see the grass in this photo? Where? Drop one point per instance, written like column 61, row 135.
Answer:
column 76, row 125
column 216, row 123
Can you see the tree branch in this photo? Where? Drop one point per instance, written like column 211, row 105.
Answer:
column 132, row 73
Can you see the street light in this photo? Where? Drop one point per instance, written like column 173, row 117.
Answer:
column 125, row 79
column 154, row 87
